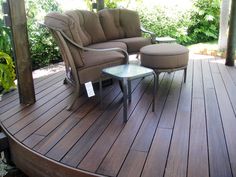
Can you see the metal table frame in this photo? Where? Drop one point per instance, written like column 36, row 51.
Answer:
column 125, row 79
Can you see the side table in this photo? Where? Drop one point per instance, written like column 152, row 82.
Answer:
column 126, row 73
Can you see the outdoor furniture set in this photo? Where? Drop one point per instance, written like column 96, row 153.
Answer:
column 95, row 46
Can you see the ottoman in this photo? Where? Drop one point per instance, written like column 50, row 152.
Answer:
column 165, row 57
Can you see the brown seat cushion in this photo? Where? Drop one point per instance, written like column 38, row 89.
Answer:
column 164, row 56
column 104, row 45
column 96, row 61
column 134, row 44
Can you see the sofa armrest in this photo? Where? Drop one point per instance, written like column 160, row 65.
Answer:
column 86, row 48
column 95, row 50
column 152, row 34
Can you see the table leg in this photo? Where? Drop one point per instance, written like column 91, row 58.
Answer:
column 185, row 74
column 124, row 85
column 100, row 91
column 154, row 91
column 129, row 90
column 157, row 79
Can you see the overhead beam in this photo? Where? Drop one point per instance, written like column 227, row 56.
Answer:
column 230, row 56
column 21, row 51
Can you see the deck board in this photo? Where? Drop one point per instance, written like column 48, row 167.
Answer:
column 227, row 115
column 198, row 162
column 178, row 154
column 115, row 157
column 80, row 149
column 191, row 133
column 218, row 155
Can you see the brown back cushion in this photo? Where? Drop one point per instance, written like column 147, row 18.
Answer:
column 130, row 23
column 120, row 23
column 62, row 22
column 90, row 29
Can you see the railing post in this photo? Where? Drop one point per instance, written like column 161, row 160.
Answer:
column 21, row 50
column 232, row 36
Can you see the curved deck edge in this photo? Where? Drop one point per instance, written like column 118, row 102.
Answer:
column 34, row 164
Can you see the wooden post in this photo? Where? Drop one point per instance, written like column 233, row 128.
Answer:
column 232, row 36
column 21, row 51
column 100, row 5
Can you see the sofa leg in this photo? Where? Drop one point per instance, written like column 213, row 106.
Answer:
column 65, row 82
column 157, row 80
column 74, row 99
column 121, row 87
column 185, row 74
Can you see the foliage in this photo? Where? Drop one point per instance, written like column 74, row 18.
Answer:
column 199, row 24
column 42, row 46
column 204, row 21
column 116, row 3
column 7, row 72
column 5, row 42
column 166, row 22
column 111, row 4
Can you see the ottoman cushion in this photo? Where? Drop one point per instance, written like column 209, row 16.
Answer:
column 164, row 56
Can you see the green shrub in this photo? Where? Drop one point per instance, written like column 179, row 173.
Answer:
column 110, row 4
column 43, row 49
column 198, row 24
column 204, row 21
column 166, row 22
column 5, row 42
column 7, row 72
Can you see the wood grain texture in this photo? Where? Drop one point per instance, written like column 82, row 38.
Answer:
column 227, row 115
column 218, row 154
column 12, row 106
column 231, row 45
column 196, row 138
column 17, row 113
column 178, row 156
column 81, row 148
column 133, row 164
column 146, row 133
column 21, row 50
column 168, row 115
column 68, row 141
column 115, row 157
column 35, row 165
column 156, row 160
column 198, row 162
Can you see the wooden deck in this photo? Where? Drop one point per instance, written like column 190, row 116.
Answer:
column 191, row 134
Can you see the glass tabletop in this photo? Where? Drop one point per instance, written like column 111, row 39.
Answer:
column 128, row 71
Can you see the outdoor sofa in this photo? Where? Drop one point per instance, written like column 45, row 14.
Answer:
column 90, row 42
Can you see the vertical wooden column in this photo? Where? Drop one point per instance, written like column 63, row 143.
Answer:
column 21, row 51
column 232, row 36
column 100, row 4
